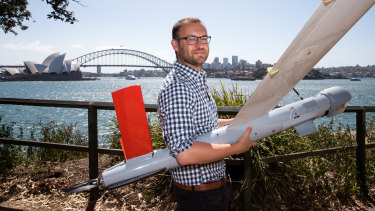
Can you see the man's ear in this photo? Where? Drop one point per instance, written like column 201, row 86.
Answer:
column 174, row 44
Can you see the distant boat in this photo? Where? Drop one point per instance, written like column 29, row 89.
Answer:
column 355, row 79
column 242, row 78
column 130, row 77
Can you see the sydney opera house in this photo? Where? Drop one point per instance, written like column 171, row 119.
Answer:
column 54, row 68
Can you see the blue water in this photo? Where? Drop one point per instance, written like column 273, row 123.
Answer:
column 100, row 90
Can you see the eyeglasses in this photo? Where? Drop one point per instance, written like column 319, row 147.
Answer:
column 192, row 40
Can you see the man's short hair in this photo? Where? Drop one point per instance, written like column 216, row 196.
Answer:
column 177, row 26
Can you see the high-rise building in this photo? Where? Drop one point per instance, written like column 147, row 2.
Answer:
column 234, row 61
column 258, row 64
column 225, row 61
column 216, row 60
column 216, row 63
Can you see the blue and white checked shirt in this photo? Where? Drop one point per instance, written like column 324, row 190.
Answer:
column 187, row 110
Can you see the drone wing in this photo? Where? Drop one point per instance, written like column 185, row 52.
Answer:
column 328, row 24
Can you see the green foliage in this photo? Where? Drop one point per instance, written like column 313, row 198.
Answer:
column 55, row 133
column 156, row 134
column 260, row 73
column 370, row 153
column 316, row 74
column 230, row 97
column 13, row 13
column 113, row 139
column 6, row 130
column 10, row 155
column 308, row 181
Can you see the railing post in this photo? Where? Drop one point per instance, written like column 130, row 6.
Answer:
column 247, row 173
column 361, row 152
column 93, row 146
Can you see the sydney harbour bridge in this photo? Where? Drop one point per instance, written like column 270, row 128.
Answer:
column 117, row 58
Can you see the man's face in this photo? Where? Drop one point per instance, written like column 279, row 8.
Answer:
column 191, row 55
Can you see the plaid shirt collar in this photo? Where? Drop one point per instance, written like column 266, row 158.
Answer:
column 184, row 71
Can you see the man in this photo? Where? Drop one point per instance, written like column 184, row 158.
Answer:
column 186, row 111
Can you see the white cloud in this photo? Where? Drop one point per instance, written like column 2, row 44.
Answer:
column 34, row 46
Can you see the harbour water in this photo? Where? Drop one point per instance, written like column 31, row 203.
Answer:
column 100, row 90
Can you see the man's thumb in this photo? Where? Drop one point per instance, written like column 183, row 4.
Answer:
column 248, row 130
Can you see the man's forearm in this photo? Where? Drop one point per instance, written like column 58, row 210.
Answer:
column 200, row 153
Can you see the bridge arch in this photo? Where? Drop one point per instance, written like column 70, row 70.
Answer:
column 156, row 61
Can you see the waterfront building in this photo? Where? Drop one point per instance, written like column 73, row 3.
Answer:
column 216, row 60
column 234, row 61
column 54, row 65
column 258, row 64
column 225, row 62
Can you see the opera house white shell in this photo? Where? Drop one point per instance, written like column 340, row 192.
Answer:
column 54, row 63
column 12, row 71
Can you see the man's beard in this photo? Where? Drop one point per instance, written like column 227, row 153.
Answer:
column 197, row 61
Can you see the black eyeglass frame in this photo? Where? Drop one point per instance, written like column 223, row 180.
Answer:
column 196, row 40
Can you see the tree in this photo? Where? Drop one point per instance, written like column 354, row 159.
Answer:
column 13, row 13
column 260, row 73
column 315, row 74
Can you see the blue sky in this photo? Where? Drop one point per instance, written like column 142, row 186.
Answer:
column 250, row 29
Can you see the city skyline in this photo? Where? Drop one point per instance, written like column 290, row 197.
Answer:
column 251, row 30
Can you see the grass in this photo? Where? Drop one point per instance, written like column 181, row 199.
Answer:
column 230, row 97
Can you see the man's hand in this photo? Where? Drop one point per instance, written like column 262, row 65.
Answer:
column 244, row 143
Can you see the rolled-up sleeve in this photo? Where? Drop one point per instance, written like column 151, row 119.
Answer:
column 177, row 118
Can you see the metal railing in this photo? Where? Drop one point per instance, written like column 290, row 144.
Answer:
column 93, row 150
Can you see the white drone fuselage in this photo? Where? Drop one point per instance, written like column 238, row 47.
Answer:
column 299, row 115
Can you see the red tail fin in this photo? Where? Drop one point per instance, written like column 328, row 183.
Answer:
column 132, row 120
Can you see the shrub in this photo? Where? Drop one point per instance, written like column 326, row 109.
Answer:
column 56, row 133
column 370, row 153
column 230, row 97
column 10, row 155
column 113, row 139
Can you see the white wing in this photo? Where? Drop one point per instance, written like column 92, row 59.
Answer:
column 324, row 29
